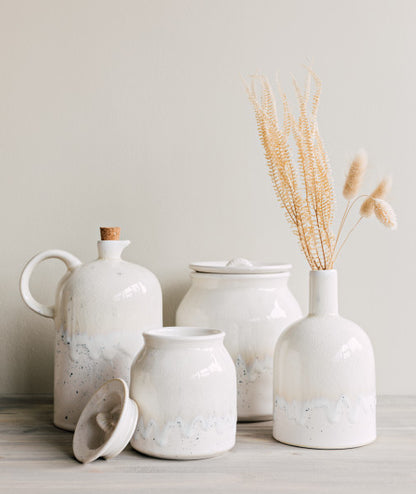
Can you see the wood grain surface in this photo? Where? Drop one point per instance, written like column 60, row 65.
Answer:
column 36, row 457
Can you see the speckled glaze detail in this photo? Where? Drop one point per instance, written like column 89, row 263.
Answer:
column 101, row 310
column 253, row 310
column 184, row 383
column 183, row 438
column 250, row 373
column 83, row 363
column 326, row 424
column 324, row 376
column 301, row 412
column 254, row 380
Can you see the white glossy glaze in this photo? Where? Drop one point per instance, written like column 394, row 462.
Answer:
column 324, row 382
column 252, row 310
column 184, row 383
column 100, row 313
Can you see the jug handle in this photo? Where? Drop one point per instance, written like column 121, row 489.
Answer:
column 71, row 263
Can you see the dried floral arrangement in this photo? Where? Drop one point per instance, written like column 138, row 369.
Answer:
column 304, row 187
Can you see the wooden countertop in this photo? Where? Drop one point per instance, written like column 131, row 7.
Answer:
column 36, row 457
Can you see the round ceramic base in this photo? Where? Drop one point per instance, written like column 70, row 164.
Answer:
column 313, row 425
column 65, row 427
column 352, row 446
column 185, row 458
column 177, row 439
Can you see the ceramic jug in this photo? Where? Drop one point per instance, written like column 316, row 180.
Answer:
column 252, row 304
column 324, row 382
column 101, row 310
column 182, row 402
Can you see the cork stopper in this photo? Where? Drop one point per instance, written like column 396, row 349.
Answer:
column 110, row 233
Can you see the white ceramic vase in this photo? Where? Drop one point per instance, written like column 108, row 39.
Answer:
column 252, row 304
column 100, row 312
column 184, row 384
column 324, row 376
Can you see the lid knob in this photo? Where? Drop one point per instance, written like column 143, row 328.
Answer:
column 110, row 233
column 108, row 420
column 106, row 424
column 238, row 262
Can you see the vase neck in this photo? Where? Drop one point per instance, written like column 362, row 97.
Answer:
column 323, row 292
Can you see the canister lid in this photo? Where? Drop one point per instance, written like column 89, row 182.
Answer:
column 106, row 424
column 239, row 265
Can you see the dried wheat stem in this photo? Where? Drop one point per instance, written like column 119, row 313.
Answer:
column 303, row 185
column 343, row 219
column 385, row 213
column 355, row 175
column 305, row 191
column 347, row 211
column 380, row 192
column 307, row 159
column 367, row 207
column 347, row 237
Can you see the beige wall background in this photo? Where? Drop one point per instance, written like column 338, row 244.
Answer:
column 133, row 113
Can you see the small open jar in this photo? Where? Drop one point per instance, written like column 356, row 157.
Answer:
column 185, row 386
column 182, row 402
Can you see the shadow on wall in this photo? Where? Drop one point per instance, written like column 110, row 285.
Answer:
column 173, row 293
column 31, row 367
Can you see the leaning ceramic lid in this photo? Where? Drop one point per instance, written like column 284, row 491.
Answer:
column 106, row 424
column 239, row 265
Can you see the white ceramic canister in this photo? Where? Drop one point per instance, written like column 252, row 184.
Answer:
column 184, row 383
column 182, row 402
column 252, row 304
column 101, row 310
column 324, row 386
